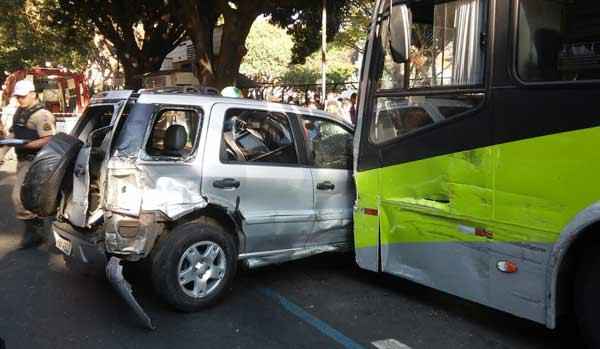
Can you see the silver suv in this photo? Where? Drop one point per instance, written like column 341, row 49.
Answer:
column 194, row 183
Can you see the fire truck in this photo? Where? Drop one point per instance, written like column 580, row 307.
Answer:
column 63, row 92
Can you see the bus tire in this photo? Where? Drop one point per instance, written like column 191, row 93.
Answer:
column 44, row 180
column 192, row 241
column 587, row 296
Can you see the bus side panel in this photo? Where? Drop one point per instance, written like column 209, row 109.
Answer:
column 429, row 213
column 366, row 220
column 438, row 229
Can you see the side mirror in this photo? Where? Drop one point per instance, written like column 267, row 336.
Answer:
column 400, row 25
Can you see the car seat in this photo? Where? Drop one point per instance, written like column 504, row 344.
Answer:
column 175, row 141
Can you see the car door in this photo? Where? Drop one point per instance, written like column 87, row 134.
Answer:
column 329, row 155
column 252, row 162
column 95, row 130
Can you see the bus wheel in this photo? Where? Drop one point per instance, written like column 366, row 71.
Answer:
column 587, row 296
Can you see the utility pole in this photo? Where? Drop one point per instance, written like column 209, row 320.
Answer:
column 324, row 54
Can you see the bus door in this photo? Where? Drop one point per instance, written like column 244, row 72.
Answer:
column 428, row 123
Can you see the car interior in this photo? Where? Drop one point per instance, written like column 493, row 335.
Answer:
column 258, row 136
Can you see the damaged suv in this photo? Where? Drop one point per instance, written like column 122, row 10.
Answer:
column 194, row 183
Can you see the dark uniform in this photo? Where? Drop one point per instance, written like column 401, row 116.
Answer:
column 29, row 123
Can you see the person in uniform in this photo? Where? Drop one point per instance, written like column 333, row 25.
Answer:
column 36, row 124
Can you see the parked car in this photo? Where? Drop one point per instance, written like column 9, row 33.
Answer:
column 194, row 183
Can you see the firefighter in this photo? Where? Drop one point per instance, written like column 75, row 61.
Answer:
column 34, row 123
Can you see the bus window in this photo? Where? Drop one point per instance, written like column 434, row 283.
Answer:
column 397, row 116
column 558, row 40
column 447, row 46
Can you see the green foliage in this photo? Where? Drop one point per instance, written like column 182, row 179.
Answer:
column 27, row 40
column 355, row 25
column 142, row 32
column 340, row 68
column 301, row 75
column 269, row 52
column 303, row 19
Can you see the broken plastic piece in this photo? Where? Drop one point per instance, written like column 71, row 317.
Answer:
column 114, row 273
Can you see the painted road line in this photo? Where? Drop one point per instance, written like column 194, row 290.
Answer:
column 389, row 344
column 320, row 325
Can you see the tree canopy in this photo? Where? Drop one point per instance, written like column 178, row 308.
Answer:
column 301, row 18
column 26, row 40
column 269, row 52
column 142, row 32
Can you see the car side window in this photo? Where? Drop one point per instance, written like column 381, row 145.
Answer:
column 329, row 145
column 173, row 133
column 258, row 136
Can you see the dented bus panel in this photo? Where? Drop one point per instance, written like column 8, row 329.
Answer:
column 496, row 200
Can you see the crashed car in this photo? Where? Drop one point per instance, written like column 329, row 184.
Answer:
column 193, row 183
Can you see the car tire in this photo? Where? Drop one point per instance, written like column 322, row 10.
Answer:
column 587, row 302
column 44, row 180
column 194, row 265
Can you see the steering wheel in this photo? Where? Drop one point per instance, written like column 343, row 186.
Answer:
column 238, row 126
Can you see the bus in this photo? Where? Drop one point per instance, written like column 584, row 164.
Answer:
column 477, row 153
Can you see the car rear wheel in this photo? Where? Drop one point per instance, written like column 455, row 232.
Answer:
column 587, row 302
column 194, row 265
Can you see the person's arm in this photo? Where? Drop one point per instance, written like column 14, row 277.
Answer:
column 37, row 143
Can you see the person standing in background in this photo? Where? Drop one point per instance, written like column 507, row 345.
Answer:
column 353, row 110
column 37, row 125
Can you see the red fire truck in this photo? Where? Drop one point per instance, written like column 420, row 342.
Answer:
column 63, row 92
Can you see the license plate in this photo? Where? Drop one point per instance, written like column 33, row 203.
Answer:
column 63, row 244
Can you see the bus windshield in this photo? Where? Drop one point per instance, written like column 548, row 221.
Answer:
column 446, row 50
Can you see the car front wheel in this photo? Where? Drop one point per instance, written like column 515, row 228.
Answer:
column 194, row 265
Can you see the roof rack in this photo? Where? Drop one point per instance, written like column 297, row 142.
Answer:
column 195, row 90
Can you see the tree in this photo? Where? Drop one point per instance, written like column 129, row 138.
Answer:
column 269, row 52
column 302, row 19
column 142, row 32
column 355, row 26
column 339, row 68
column 26, row 40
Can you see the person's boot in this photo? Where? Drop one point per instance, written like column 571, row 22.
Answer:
column 32, row 237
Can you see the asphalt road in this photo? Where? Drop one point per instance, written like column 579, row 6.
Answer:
column 321, row 302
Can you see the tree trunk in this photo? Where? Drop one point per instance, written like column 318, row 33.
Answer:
column 220, row 70
column 133, row 77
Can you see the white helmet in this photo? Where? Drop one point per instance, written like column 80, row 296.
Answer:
column 23, row 88
column 231, row 91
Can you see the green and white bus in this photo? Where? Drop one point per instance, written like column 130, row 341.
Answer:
column 477, row 155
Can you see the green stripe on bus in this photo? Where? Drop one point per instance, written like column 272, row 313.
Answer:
column 524, row 191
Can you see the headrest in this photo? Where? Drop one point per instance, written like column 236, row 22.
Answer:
column 175, row 137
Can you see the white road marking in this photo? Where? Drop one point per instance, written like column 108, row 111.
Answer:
column 389, row 344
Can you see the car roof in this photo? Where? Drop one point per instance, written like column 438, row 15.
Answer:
column 206, row 101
